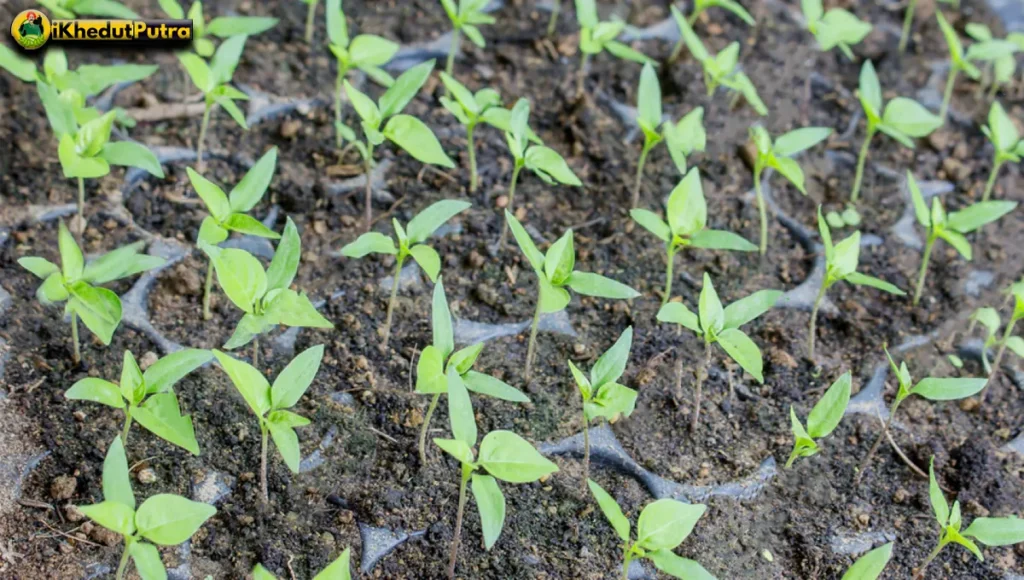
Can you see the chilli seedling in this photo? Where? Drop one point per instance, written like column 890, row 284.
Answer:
column 997, row 53
column 465, row 18
column 990, row 319
column 834, row 28
column 229, row 212
column 687, row 217
column 951, row 227
column 163, row 519
column 682, row 139
column 958, row 62
column 661, row 527
column 71, row 9
column 407, row 132
column 503, row 455
column 366, row 53
column 440, row 357
column 871, row 565
column 76, row 283
column 148, row 397
column 340, row 569
column 1006, row 142
column 721, row 69
column 554, row 273
column 264, row 296
column 778, row 156
column 984, row 531
column 822, row 420
column 597, row 37
column 908, row 20
column 411, row 242
column 271, row 403
column 699, row 7
column 214, row 80
column 902, row 119
column 933, row 389
column 716, row 324
column 220, row 27
column 602, row 395
column 841, row 261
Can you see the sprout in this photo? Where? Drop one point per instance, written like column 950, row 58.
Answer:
column 75, row 282
column 411, row 242
column 71, row 9
column 998, row 53
column 702, row 5
column 1002, row 133
column 990, row 319
column 834, row 28
column 908, row 20
column 687, row 216
column 221, row 27
column 597, row 36
column 958, row 61
column 465, row 18
column 870, row 565
column 823, row 419
column 903, row 118
column 340, row 569
column 778, row 156
column 682, row 139
column 148, row 397
column 952, row 227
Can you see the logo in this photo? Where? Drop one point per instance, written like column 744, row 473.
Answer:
column 31, row 29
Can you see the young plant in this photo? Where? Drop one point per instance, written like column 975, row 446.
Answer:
column 835, row 27
column 778, row 156
column 908, row 20
column 148, row 397
column 71, row 9
column 340, row 569
column 264, row 295
column 411, row 242
column 716, row 324
column 990, row 319
column 310, row 19
column 687, row 217
column 903, row 119
column 76, row 283
column 1006, row 141
column 597, row 36
column 958, row 62
column 602, row 395
column 440, row 357
column 951, row 227
column 933, row 389
column 543, row 161
column 661, row 527
column 503, row 455
column 220, row 27
column 554, row 273
column 702, row 5
column 841, row 261
column 163, row 519
column 229, row 213
column 271, row 403
column 984, row 531
column 682, row 139
column 997, row 53
column 465, row 18
column 871, row 565
column 407, row 132
column 214, row 80
column 366, row 53
column 721, row 69
column 822, row 421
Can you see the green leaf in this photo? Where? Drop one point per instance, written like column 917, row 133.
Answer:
column 372, row 51
column 677, row 566
column 120, row 263
column 956, row 49
column 685, row 137
column 560, row 259
column 996, row 531
column 441, row 322
column 712, row 315
column 161, row 415
column 113, row 515
column 920, row 208
column 337, row 28
column 71, row 260
column 16, row 64
column 474, row 35
column 457, row 449
column 99, row 309
column 97, row 391
column 743, row 351
column 952, row 536
column 249, row 381
column 610, row 365
column 233, row 111
column 790, row 169
column 1016, row 345
column 228, row 26
column 552, row 298
column 828, row 412
column 612, row 400
column 649, row 99
column 910, row 117
column 147, row 561
column 340, row 569
column 678, row 313
column 491, row 504
column 652, row 223
column 870, row 565
column 611, row 510
column 212, row 195
column 428, row 259
column 800, row 140
column 687, row 209
column 241, row 276
column 586, row 13
column 803, row 445
column 75, row 165
column 939, row 505
column 720, row 240
column 132, row 154
column 249, row 191
column 40, row 268
column 293, row 309
column 405, row 88
column 225, row 60
column 430, row 377
column 665, row 523
column 948, row 389
column 368, row 243
column 287, row 443
column 52, row 290
column 131, row 376
column 261, row 573
column 169, row 520
column 982, row 213
column 958, row 241
column 533, row 255
column 58, row 112
column 417, row 140
column 841, row 28
column 460, row 410
column 865, row 280
column 108, row 8
column 746, row 309
column 198, row 71
column 489, row 386
column 590, row 284
column 813, row 10
column 364, row 106
column 624, row 52
column 296, row 378
column 210, row 232
column 427, row 221
column 511, row 458
column 462, row 360
column 548, row 164
column 845, row 256
column 244, row 224
column 1004, row 133
column 117, row 485
column 582, row 382
column 285, row 262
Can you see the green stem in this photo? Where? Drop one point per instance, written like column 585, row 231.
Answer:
column 553, row 22
column 76, row 354
column 993, row 89
column 207, row 291
column 692, row 18
column 466, row 471
column 908, row 20
column 1002, row 346
column 695, row 420
column 640, row 173
column 391, row 302
column 127, row 424
column 761, row 209
column 122, row 566
column 256, row 353
column 368, row 171
column 627, row 557
column 423, row 430
column 677, row 50
column 814, row 320
column 200, row 145
column 342, row 71
column 586, row 446
column 472, row 158
column 81, row 208
column 264, row 495
column 861, row 160
column 456, row 37
column 668, row 274
column 511, row 204
column 992, row 179
column 581, row 76
column 310, row 20
column 862, row 469
column 924, row 267
column 947, row 95
column 533, row 338
column 928, row 560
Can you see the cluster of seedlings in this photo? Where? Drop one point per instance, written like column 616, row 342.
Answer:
column 267, row 299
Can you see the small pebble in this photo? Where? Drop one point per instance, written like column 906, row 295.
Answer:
column 146, row 476
column 63, row 487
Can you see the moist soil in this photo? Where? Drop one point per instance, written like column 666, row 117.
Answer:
column 371, row 473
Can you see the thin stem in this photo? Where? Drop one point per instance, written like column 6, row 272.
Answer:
column 310, row 20
column 990, row 184
column 533, row 338
column 861, row 160
column 668, row 274
column 511, row 204
column 761, row 209
column 368, row 171
column 908, row 20
column 1002, row 346
column 640, row 173
column 201, row 144
column 256, row 353
column 581, row 76
column 207, row 291
column 342, row 71
column 264, row 496
column 814, row 319
column 924, row 267
column 456, row 37
column 947, row 95
column 423, row 430
column 553, row 22
column 679, row 374
column 928, row 560
column 76, row 354
column 122, row 566
column 391, row 302
column 627, row 557
column 81, row 208
column 692, row 18
column 862, row 469
column 700, row 382
column 586, row 449
column 993, row 89
column 472, row 158
column 466, row 471
column 127, row 424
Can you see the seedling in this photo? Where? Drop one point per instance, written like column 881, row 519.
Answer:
column 908, row 20
column 554, row 273
column 822, row 421
column 958, row 62
column 366, row 53
column 702, row 5
column 687, row 217
column 163, row 519
column 272, row 403
column 986, row 531
column 933, row 389
column 952, row 227
column 902, row 120
column 543, row 161
column 411, row 242
column 465, row 17
column 778, row 156
column 440, row 357
column 214, row 80
column 997, row 53
column 682, row 139
column 220, row 27
column 503, row 455
column 340, row 569
column 871, row 565
column 990, row 319
column 716, row 324
column 76, row 283
column 310, row 19
column 148, row 397
column 264, row 296
column 662, row 526
column 841, row 261
column 71, row 9
column 405, row 131
column 229, row 213
column 597, row 36
column 721, row 69
column 602, row 395
column 835, row 28
column 1006, row 141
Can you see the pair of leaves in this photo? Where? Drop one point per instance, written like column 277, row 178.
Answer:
column 1003, row 133
column 543, row 161
column 999, row 53
column 340, row 569
column 902, row 118
column 834, row 28
column 229, row 213
column 822, row 420
column 778, row 155
column 467, row 16
column 597, row 36
column 933, row 389
column 214, row 79
column 221, row 27
column 87, row 80
column 842, row 259
column 957, row 56
column 602, row 394
column 682, row 138
column 366, row 52
column 86, row 152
